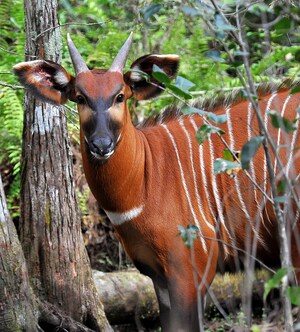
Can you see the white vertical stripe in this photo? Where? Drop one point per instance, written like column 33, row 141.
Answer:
column 252, row 169
column 268, row 107
column 215, row 190
column 290, row 159
column 279, row 130
column 185, row 185
column 204, row 178
column 296, row 220
column 217, row 195
column 236, row 179
column 194, row 174
column 292, row 147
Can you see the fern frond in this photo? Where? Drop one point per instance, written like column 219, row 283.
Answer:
column 11, row 125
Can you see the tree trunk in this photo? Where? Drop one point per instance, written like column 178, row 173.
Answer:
column 17, row 305
column 50, row 229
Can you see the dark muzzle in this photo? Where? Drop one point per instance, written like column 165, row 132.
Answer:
column 101, row 147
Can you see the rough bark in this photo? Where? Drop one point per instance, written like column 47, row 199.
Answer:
column 50, row 230
column 18, row 311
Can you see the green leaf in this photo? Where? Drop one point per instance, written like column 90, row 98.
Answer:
column 259, row 8
column 188, row 234
column 14, row 154
column 181, row 87
column 297, row 56
column 193, row 110
column 160, row 75
column 275, row 281
column 222, row 165
column 150, row 10
column 179, row 92
column 218, row 119
column 255, row 328
column 293, row 294
column 281, row 122
column 280, row 199
column 283, row 26
column 296, row 89
column 281, row 186
column 249, row 150
column 244, row 94
column 222, row 25
column 190, row 11
column 205, row 131
column 233, row 156
column 227, row 155
column 214, row 55
column 183, row 84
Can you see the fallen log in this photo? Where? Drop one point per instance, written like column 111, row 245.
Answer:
column 129, row 298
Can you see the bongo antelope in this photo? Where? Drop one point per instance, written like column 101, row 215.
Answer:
column 151, row 178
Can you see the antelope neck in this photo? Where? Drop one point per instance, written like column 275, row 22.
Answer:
column 119, row 183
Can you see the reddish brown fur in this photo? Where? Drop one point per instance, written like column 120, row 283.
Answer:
column 148, row 171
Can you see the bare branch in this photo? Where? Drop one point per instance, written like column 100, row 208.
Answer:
column 7, row 51
column 67, row 24
column 12, row 86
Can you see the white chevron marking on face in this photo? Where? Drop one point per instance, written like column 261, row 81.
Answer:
column 119, row 218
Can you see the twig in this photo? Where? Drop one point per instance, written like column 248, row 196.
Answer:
column 72, row 110
column 66, row 24
column 264, row 25
column 7, row 51
column 12, row 86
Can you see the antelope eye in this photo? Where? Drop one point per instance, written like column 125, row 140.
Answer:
column 80, row 99
column 120, row 98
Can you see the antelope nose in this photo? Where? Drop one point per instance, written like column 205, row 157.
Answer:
column 102, row 146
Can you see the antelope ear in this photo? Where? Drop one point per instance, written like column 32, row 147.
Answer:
column 46, row 80
column 142, row 89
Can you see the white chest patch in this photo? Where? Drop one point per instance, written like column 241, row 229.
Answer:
column 118, row 218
